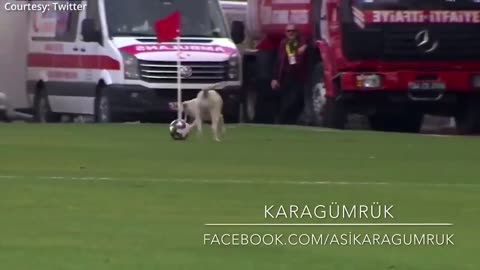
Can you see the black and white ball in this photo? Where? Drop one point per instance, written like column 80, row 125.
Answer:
column 179, row 129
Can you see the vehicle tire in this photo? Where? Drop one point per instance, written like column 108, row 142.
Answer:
column 42, row 110
column 412, row 123
column 380, row 122
column 408, row 122
column 250, row 106
column 103, row 109
column 4, row 116
column 234, row 114
column 334, row 114
column 468, row 118
column 318, row 99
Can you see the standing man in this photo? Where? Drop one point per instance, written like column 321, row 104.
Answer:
column 289, row 76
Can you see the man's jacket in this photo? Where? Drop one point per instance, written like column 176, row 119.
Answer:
column 283, row 67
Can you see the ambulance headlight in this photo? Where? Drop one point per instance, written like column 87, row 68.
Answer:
column 130, row 66
column 234, row 67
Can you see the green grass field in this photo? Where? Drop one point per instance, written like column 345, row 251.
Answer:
column 126, row 197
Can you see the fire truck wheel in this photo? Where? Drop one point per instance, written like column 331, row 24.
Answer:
column 234, row 115
column 259, row 105
column 103, row 113
column 42, row 109
column 411, row 122
column 380, row 122
column 334, row 114
column 318, row 98
column 468, row 119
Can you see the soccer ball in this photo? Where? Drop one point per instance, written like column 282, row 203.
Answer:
column 179, row 129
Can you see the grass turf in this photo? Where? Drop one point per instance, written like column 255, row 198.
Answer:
column 150, row 211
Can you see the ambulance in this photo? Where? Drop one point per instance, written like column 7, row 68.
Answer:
column 101, row 58
column 236, row 11
column 13, row 65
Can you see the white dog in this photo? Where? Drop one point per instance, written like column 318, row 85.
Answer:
column 207, row 106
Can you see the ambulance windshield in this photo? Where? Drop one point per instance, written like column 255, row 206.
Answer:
column 417, row 4
column 200, row 18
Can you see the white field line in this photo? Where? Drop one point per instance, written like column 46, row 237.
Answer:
column 438, row 135
column 322, row 129
column 7, row 176
column 326, row 224
column 294, row 127
column 240, row 181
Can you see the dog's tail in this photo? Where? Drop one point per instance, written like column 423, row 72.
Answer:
column 211, row 87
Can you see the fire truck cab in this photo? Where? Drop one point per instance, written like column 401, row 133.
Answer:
column 391, row 60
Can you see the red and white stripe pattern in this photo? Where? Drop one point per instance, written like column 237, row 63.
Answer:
column 358, row 17
column 361, row 18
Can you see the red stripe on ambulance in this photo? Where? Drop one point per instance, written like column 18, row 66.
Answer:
column 46, row 60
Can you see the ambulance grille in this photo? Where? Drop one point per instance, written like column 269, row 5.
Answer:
column 166, row 72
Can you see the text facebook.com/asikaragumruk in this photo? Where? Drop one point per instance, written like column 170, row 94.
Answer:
column 340, row 239
column 335, row 212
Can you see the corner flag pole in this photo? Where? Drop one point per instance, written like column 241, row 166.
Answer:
column 167, row 29
column 179, row 80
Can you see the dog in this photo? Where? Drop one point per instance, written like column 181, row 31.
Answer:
column 207, row 106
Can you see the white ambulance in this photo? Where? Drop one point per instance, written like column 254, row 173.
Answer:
column 236, row 11
column 13, row 63
column 100, row 58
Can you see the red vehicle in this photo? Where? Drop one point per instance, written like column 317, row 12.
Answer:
column 391, row 60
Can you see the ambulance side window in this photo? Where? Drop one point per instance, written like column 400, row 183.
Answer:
column 94, row 13
column 64, row 27
column 67, row 22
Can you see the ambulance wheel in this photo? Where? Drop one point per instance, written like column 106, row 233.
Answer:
column 4, row 117
column 103, row 110
column 42, row 110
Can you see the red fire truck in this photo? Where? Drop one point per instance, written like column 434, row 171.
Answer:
column 391, row 60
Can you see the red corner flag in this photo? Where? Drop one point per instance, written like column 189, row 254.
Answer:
column 169, row 28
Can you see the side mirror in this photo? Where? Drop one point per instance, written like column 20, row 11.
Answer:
column 89, row 32
column 238, row 32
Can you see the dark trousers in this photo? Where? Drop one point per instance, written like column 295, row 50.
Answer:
column 266, row 100
column 291, row 99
